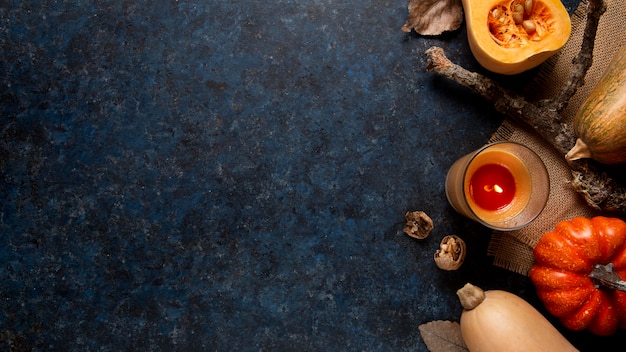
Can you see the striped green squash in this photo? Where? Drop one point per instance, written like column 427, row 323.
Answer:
column 600, row 123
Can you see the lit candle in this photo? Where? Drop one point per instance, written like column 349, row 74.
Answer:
column 502, row 185
column 497, row 185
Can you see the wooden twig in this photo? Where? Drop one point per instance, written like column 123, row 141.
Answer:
column 595, row 185
column 504, row 100
column 584, row 59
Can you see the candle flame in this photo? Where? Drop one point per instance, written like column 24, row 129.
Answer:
column 493, row 188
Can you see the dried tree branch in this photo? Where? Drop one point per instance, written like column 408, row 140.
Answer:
column 594, row 184
column 505, row 101
column 584, row 59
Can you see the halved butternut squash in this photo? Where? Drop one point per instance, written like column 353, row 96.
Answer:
column 513, row 36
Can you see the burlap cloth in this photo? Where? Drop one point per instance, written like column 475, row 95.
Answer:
column 513, row 250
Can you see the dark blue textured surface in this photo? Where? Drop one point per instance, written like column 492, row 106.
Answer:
column 229, row 176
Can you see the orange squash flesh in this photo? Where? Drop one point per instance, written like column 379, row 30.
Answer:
column 507, row 41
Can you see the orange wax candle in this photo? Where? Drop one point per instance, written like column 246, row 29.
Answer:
column 503, row 185
column 497, row 185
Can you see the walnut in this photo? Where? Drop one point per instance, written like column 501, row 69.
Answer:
column 418, row 224
column 451, row 253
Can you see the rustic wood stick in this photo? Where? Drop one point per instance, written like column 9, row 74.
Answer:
column 505, row 101
column 584, row 59
column 589, row 179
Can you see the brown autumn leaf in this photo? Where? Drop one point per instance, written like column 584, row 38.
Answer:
column 443, row 336
column 433, row 17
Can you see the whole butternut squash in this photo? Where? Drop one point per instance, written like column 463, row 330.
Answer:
column 600, row 123
column 498, row 321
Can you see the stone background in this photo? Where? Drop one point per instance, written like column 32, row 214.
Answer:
column 210, row 175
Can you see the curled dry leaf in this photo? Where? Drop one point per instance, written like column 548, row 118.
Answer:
column 418, row 224
column 433, row 17
column 442, row 336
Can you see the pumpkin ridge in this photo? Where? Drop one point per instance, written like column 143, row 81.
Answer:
column 543, row 258
column 579, row 235
column 584, row 315
column 611, row 234
column 605, row 320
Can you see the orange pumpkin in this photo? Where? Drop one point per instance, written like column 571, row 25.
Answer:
column 578, row 270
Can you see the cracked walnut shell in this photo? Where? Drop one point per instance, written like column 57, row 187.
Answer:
column 418, row 224
column 451, row 253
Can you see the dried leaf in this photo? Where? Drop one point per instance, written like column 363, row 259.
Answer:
column 433, row 17
column 443, row 336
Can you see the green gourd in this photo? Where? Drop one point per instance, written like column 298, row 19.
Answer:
column 600, row 123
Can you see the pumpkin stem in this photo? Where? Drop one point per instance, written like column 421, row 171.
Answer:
column 579, row 151
column 470, row 296
column 605, row 275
